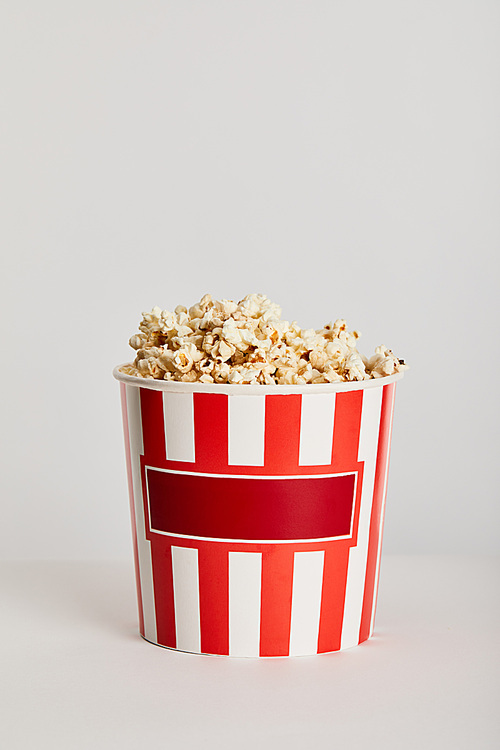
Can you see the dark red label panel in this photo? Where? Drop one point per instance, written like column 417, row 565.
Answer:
column 231, row 507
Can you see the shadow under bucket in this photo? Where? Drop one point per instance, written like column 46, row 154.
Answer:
column 257, row 512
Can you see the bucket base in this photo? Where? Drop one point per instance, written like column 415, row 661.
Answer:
column 241, row 656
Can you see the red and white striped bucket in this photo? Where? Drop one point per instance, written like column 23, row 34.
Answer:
column 257, row 512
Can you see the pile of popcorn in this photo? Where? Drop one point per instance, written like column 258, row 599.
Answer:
column 221, row 341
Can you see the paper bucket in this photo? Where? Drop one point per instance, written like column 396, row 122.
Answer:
column 257, row 512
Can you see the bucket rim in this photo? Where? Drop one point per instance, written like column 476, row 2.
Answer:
column 173, row 386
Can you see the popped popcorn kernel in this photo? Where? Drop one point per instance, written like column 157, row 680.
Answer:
column 247, row 342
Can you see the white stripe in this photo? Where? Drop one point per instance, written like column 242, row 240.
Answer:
column 356, row 572
column 245, row 570
column 384, row 493
column 316, row 429
column 246, row 420
column 179, row 426
column 186, row 598
column 306, row 602
column 143, row 545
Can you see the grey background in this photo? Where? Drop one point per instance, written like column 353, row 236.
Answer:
column 341, row 157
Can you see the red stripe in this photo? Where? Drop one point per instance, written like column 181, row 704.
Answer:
column 282, row 436
column 213, row 570
column 211, row 432
column 346, row 431
column 128, row 458
column 333, row 596
column 376, row 520
column 161, row 557
column 348, row 407
column 153, row 429
column 276, row 600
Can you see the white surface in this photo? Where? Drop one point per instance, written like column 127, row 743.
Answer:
column 178, row 411
column 317, row 417
column 143, row 544
column 246, row 429
column 187, row 603
column 75, row 674
column 306, row 602
column 341, row 157
column 245, row 576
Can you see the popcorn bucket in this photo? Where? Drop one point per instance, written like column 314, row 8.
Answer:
column 257, row 512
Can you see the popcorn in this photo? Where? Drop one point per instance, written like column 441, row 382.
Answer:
column 247, row 342
column 384, row 363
